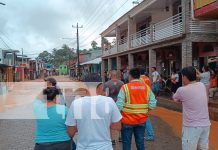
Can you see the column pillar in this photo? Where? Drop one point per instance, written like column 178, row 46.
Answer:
column 130, row 60
column 186, row 15
column 152, row 59
column 118, row 63
column 186, row 53
column 117, row 37
column 131, row 30
column 109, row 64
column 103, row 70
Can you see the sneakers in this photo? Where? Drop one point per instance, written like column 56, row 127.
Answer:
column 113, row 142
column 120, row 139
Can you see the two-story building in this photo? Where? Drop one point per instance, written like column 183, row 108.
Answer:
column 160, row 33
column 8, row 65
column 207, row 10
column 23, row 67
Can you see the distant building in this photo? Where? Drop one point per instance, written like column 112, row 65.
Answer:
column 23, row 68
column 63, row 69
column 8, row 65
column 48, row 69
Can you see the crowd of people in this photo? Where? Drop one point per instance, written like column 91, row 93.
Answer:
column 120, row 110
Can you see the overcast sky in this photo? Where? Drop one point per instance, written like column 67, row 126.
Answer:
column 37, row 25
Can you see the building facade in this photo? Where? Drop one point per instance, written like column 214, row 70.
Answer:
column 205, row 9
column 8, row 65
column 63, row 69
column 161, row 34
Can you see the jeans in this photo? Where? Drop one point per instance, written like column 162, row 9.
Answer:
column 212, row 91
column 128, row 130
column 73, row 145
column 155, row 87
column 194, row 138
column 149, row 130
column 65, row 145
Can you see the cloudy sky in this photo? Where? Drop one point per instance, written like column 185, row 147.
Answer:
column 37, row 25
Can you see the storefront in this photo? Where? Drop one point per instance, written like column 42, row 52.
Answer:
column 3, row 73
column 141, row 60
column 203, row 52
column 169, row 60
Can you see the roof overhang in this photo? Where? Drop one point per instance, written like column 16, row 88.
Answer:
column 94, row 61
column 134, row 11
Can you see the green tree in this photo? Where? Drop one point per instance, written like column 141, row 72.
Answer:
column 46, row 56
column 94, row 44
column 58, row 56
column 62, row 55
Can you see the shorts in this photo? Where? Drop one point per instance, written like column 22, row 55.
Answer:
column 195, row 137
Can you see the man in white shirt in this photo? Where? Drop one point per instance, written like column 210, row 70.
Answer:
column 155, row 80
column 93, row 117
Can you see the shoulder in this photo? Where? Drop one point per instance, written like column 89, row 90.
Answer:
column 180, row 89
column 120, row 82
column 200, row 84
column 105, row 98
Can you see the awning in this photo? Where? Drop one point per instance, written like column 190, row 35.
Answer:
column 94, row 61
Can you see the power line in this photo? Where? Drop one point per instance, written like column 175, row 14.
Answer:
column 4, row 43
column 105, row 21
column 96, row 12
column 6, row 35
column 90, row 43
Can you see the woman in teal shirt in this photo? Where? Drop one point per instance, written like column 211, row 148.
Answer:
column 51, row 131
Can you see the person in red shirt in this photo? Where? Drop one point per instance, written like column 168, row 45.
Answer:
column 213, row 84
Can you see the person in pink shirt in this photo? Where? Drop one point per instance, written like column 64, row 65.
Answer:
column 196, row 123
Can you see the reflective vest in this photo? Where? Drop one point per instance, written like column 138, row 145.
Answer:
column 145, row 79
column 135, row 109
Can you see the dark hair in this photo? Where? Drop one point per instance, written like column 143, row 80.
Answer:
column 154, row 68
column 135, row 73
column 52, row 81
column 50, row 93
column 190, row 73
column 98, row 85
column 142, row 72
column 206, row 68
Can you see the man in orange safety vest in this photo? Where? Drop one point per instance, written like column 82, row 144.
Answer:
column 134, row 101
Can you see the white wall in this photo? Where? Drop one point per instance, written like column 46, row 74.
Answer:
column 160, row 15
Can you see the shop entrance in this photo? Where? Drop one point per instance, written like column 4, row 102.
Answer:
column 169, row 60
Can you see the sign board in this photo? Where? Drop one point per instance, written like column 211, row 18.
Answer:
column 201, row 3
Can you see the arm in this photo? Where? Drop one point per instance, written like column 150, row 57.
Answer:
column 152, row 101
column 71, row 122
column 199, row 74
column 177, row 96
column 116, row 126
column 120, row 99
column 72, row 130
column 115, row 117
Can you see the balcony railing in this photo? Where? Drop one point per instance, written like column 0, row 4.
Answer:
column 168, row 28
column 197, row 26
column 140, row 38
column 122, row 44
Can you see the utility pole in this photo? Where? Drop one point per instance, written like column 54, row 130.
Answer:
column 22, row 65
column 77, row 51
